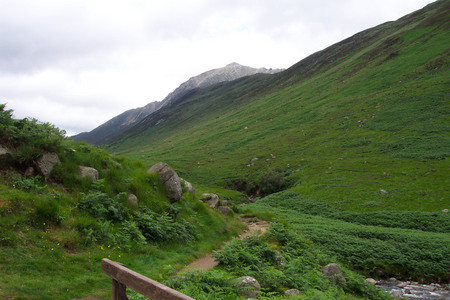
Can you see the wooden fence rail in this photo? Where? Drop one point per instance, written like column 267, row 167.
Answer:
column 122, row 277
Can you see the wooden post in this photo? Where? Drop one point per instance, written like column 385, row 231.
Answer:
column 124, row 277
column 119, row 291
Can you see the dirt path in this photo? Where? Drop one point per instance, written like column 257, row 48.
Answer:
column 208, row 262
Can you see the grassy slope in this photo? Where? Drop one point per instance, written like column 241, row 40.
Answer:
column 51, row 247
column 369, row 113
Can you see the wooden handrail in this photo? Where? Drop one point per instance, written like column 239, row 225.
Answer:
column 123, row 277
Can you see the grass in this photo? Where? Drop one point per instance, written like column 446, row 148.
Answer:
column 402, row 243
column 55, row 260
column 376, row 117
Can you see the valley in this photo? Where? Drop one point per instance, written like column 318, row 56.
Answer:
column 344, row 154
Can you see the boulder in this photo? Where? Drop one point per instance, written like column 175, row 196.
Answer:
column 396, row 294
column 88, row 172
column 46, row 163
column 382, row 192
column 371, row 281
column 214, row 201
column 445, row 210
column 224, row 210
column 4, row 151
column 250, row 282
column 132, row 199
column 170, row 180
column 190, row 188
column 292, row 292
column 29, row 172
column 206, row 196
column 333, row 272
column 253, row 198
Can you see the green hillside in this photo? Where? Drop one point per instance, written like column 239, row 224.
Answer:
column 348, row 150
column 367, row 114
column 55, row 228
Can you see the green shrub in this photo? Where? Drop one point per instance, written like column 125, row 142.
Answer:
column 206, row 285
column 163, row 228
column 100, row 205
column 273, row 181
column 30, row 184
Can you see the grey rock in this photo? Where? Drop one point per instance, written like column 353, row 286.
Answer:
column 46, row 163
column 225, row 202
column 132, row 199
column 89, row 172
column 333, row 272
column 29, row 172
column 253, row 198
column 292, row 292
column 396, row 293
column 188, row 185
column 225, row 210
column 4, row 150
column 206, row 196
column 371, row 281
column 170, row 180
column 254, row 159
column 247, row 281
column 445, row 210
column 402, row 284
column 382, row 192
column 214, row 201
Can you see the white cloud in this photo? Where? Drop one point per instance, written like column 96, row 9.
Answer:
column 79, row 63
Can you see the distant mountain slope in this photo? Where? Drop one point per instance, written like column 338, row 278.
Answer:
column 228, row 73
column 117, row 125
column 365, row 114
column 128, row 119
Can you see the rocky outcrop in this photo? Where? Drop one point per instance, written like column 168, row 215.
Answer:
column 333, row 272
column 46, row 163
column 249, row 282
column 88, row 172
column 170, row 180
column 228, row 73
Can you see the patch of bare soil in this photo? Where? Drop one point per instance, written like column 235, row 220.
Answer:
column 254, row 226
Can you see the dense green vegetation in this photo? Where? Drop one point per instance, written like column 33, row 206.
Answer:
column 280, row 260
column 365, row 114
column 55, row 231
column 400, row 243
column 358, row 133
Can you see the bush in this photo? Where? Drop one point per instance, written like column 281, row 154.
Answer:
column 273, row 181
column 100, row 205
column 163, row 228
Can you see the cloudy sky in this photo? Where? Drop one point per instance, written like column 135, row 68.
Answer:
column 79, row 63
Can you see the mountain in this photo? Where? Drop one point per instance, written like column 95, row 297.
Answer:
column 128, row 119
column 228, row 73
column 365, row 114
column 116, row 125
